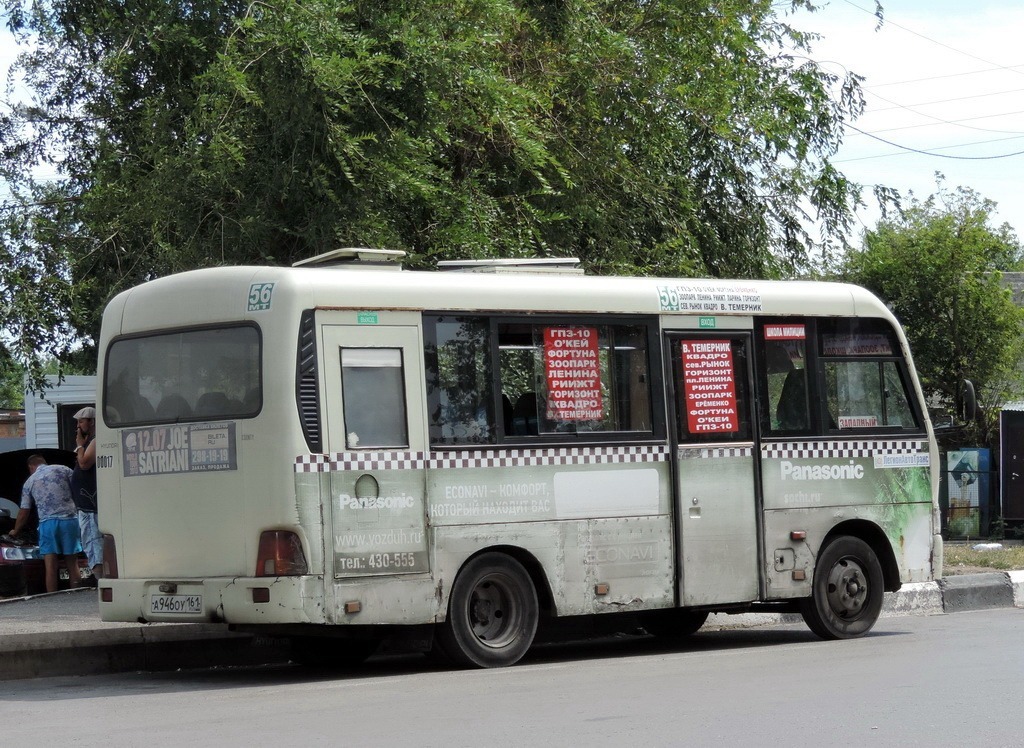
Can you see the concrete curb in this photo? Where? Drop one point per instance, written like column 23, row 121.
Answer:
column 1017, row 582
column 152, row 649
column 951, row 594
column 976, row 592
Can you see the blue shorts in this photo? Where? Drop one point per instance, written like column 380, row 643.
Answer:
column 92, row 539
column 60, row 536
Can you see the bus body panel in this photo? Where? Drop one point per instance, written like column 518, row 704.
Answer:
column 630, row 555
column 718, row 514
column 906, row 529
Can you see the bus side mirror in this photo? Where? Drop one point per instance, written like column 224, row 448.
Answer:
column 968, row 401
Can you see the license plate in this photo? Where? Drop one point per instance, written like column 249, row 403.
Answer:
column 176, row 604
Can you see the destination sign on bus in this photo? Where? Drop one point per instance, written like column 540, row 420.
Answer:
column 573, row 372
column 860, row 344
column 709, row 386
column 785, row 332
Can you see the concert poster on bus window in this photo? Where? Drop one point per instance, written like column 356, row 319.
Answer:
column 709, row 386
column 572, row 366
column 179, row 448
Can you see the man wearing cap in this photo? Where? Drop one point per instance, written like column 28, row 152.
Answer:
column 83, row 487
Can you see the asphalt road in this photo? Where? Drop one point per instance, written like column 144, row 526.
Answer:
column 945, row 680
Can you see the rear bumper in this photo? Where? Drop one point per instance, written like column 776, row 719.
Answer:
column 218, row 600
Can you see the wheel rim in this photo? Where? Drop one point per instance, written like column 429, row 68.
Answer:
column 847, row 590
column 495, row 611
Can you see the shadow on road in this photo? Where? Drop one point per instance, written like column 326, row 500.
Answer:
column 563, row 652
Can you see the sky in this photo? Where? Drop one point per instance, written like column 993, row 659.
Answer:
column 944, row 84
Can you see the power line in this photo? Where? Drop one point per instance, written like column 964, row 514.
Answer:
column 1011, row 68
column 903, row 149
column 995, row 65
column 908, row 149
column 896, row 105
column 955, row 122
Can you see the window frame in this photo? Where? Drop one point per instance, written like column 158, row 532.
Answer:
column 347, row 414
column 502, row 434
column 820, row 426
column 882, row 327
column 744, row 388
column 148, row 334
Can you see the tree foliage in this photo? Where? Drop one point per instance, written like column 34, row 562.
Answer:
column 672, row 137
column 938, row 268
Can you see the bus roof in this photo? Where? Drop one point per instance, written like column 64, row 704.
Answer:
column 222, row 294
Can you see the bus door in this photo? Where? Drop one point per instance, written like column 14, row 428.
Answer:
column 376, row 445
column 716, row 501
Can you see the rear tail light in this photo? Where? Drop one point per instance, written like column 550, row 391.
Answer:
column 109, row 557
column 280, row 555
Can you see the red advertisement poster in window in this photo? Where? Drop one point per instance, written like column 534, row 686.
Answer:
column 709, row 386
column 573, row 370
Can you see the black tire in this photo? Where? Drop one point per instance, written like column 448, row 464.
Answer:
column 330, row 652
column 847, row 591
column 492, row 613
column 674, row 623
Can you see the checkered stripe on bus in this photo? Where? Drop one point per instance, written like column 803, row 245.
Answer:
column 859, row 448
column 315, row 463
column 360, row 461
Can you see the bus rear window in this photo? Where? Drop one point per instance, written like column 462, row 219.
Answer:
column 189, row 375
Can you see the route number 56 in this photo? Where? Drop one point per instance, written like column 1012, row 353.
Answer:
column 259, row 296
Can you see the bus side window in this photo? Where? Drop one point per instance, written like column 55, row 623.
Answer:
column 460, row 385
column 785, row 377
column 574, row 378
column 791, row 413
column 867, row 394
column 373, row 396
column 712, row 394
column 524, row 415
column 864, row 384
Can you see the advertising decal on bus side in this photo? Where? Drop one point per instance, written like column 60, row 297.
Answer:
column 185, row 448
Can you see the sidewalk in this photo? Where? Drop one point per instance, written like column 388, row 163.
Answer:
column 62, row 634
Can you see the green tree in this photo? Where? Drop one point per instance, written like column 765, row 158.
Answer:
column 12, row 381
column 937, row 266
column 671, row 137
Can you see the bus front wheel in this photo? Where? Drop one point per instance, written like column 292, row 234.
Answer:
column 492, row 613
column 847, row 590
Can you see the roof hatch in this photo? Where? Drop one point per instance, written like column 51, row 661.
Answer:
column 566, row 265
column 355, row 257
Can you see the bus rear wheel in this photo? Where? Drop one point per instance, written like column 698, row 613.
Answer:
column 847, row 590
column 492, row 613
